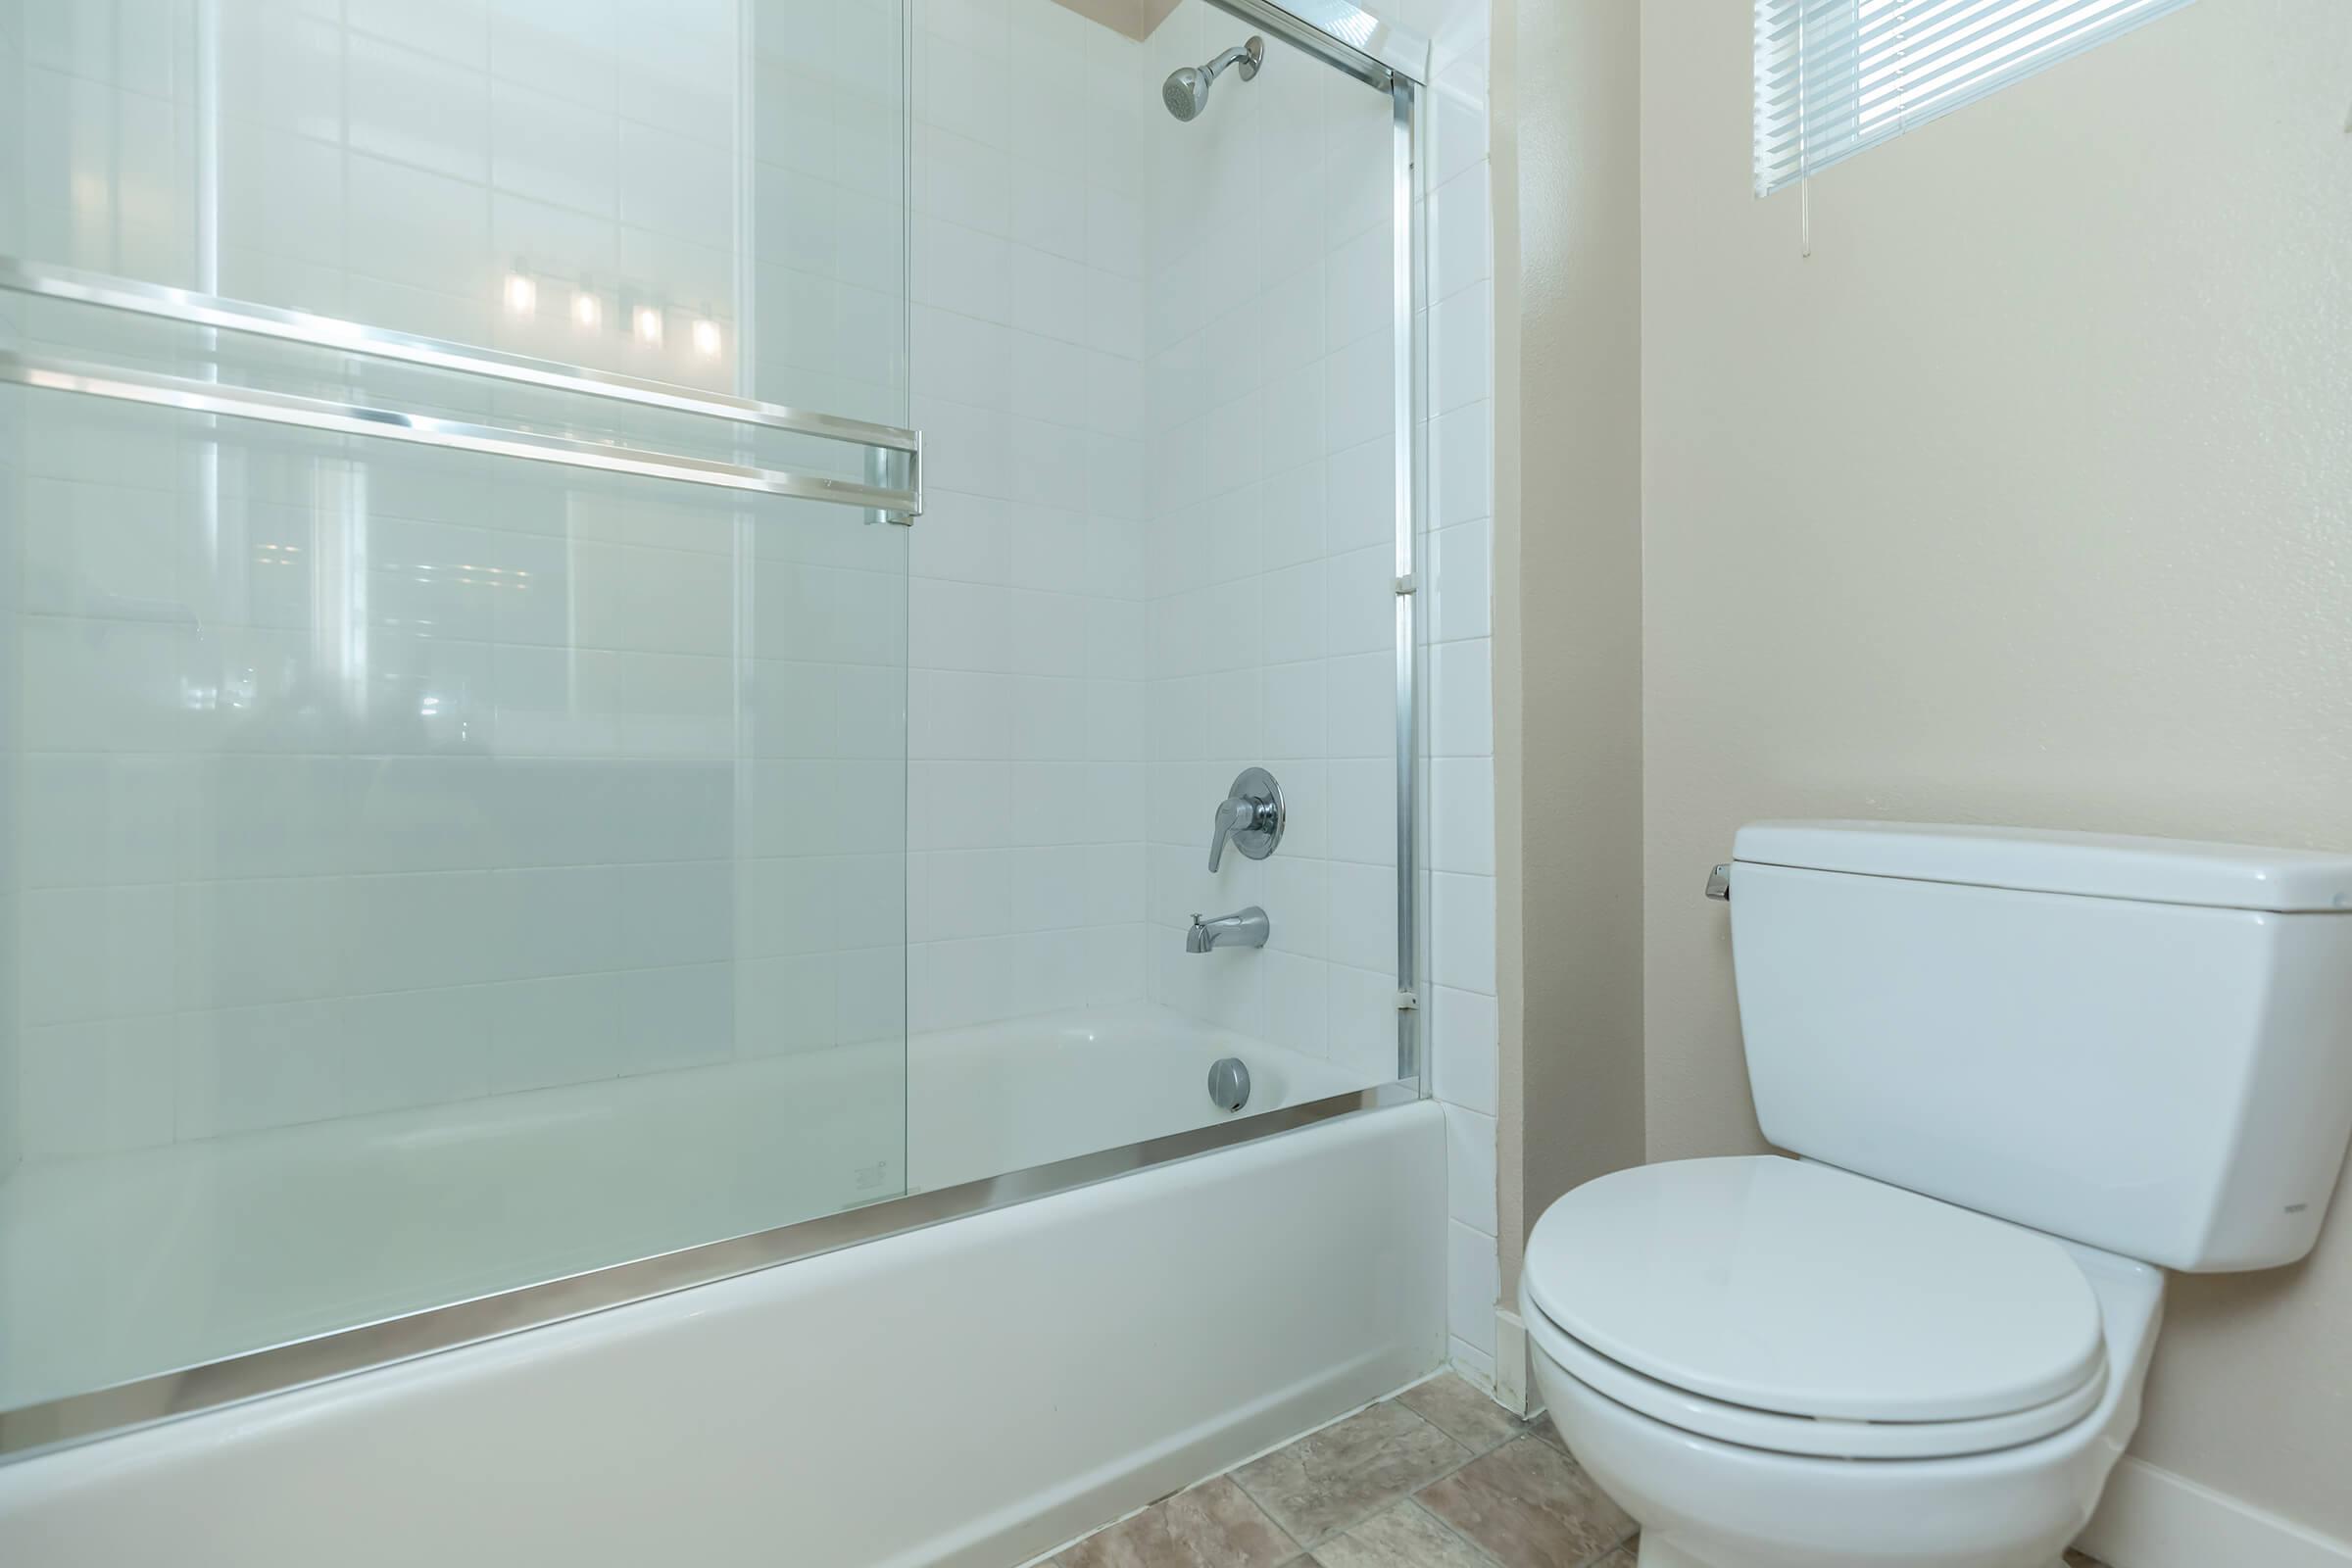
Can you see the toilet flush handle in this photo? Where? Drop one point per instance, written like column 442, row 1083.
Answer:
column 1719, row 883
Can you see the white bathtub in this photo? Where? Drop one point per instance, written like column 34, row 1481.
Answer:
column 969, row 1393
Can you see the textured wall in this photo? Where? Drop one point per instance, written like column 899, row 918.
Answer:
column 2023, row 500
column 1135, row 17
column 1568, row 573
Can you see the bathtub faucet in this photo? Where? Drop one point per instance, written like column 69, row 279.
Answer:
column 1243, row 928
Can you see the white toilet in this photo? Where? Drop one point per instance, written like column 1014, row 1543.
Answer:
column 2025, row 1073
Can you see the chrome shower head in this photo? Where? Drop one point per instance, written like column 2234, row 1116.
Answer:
column 1186, row 91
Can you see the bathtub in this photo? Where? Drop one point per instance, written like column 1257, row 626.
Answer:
column 973, row 1392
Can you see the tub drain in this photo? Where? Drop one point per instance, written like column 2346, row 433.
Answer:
column 1229, row 1084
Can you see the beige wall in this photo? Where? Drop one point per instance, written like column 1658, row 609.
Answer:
column 2027, row 499
column 1567, row 601
column 1137, row 19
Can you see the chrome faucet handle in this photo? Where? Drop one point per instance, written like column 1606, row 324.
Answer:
column 1234, row 817
column 1250, row 817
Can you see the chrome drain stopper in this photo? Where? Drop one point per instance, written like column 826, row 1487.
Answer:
column 1229, row 1084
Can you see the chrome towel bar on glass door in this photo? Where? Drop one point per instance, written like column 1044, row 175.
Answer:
column 352, row 419
column 330, row 333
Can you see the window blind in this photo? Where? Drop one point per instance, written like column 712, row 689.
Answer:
column 1834, row 76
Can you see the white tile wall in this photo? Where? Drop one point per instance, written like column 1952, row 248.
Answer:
column 1460, row 1016
column 1026, row 691
column 1269, row 524
column 1270, row 537
column 1238, row 558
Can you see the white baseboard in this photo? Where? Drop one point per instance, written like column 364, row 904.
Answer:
column 1514, row 1378
column 2151, row 1518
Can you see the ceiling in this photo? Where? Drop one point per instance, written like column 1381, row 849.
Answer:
column 1134, row 18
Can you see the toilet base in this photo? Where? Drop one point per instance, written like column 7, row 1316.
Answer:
column 1703, row 1503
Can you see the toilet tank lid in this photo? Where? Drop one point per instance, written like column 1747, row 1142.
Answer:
column 2110, row 866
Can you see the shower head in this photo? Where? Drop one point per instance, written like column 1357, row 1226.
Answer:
column 1186, row 91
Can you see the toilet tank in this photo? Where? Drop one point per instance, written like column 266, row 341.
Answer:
column 2138, row 1044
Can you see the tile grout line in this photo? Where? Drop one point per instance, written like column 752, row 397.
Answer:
column 1232, row 1471
column 1303, row 1550
column 1299, row 1551
column 1526, row 1430
column 1337, row 1531
column 1413, row 1496
column 1446, row 1525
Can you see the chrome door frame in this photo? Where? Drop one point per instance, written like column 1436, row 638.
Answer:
column 1394, row 61
column 1412, row 320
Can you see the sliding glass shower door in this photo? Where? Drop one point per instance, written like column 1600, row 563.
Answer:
column 453, row 649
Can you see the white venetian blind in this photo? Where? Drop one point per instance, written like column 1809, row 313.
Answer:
column 1834, row 76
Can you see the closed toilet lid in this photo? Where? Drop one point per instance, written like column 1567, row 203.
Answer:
column 1803, row 1290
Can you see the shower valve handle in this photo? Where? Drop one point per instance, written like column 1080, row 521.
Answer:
column 1250, row 817
column 1234, row 816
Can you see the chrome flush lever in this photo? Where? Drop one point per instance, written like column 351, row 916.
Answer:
column 1250, row 817
column 1719, row 883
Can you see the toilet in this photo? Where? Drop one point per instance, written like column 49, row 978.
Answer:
column 2021, row 1075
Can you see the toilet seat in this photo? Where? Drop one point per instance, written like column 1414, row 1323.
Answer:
column 1797, row 1308
column 1805, row 1435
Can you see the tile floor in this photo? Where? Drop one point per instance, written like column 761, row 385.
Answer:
column 1437, row 1477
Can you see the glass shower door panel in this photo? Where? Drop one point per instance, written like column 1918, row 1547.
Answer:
column 433, row 872
column 709, row 193
column 1270, row 515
